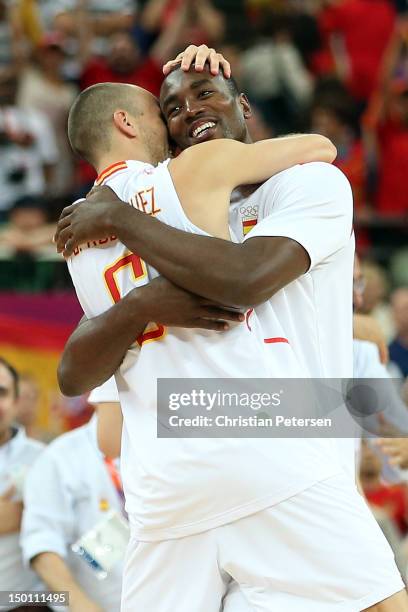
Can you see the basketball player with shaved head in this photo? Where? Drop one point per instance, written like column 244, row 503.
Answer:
column 254, row 511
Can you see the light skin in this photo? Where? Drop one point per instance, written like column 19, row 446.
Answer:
column 53, row 570
column 109, row 428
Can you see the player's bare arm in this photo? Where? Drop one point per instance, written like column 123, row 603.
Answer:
column 109, row 428
column 226, row 164
column 266, row 264
column 104, row 340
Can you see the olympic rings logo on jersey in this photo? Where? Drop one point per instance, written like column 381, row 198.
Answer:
column 249, row 215
column 250, row 211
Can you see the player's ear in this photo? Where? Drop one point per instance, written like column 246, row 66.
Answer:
column 246, row 107
column 124, row 123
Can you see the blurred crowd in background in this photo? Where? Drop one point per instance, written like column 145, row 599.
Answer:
column 337, row 67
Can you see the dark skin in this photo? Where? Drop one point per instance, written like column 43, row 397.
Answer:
column 235, row 275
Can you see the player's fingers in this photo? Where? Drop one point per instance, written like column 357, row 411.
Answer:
column 67, row 211
column 212, row 324
column 214, row 58
column 226, row 67
column 61, row 225
column 70, row 247
column 63, row 238
column 221, row 313
column 203, row 54
column 168, row 66
column 189, row 55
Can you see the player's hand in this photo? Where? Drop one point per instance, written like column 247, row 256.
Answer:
column 167, row 304
column 199, row 55
column 87, row 220
column 367, row 328
column 396, row 449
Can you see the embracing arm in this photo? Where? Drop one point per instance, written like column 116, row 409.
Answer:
column 237, row 274
column 118, row 328
column 115, row 330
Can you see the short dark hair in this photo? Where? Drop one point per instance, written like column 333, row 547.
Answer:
column 231, row 83
column 13, row 373
column 91, row 114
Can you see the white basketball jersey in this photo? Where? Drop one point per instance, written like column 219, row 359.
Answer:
column 179, row 486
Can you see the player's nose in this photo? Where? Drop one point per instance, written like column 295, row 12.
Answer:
column 193, row 108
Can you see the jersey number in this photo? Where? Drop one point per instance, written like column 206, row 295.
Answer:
column 137, row 268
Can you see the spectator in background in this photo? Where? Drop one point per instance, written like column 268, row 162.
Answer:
column 28, row 405
column 17, row 453
column 42, row 88
column 11, row 41
column 125, row 63
column 104, row 16
column 391, row 499
column 28, row 152
column 78, row 487
column 204, row 24
column 274, row 76
column 376, row 288
column 97, row 19
column 399, row 346
column 387, row 122
column 28, row 231
column 356, row 34
column 333, row 116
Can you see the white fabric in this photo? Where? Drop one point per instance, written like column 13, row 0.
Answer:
column 108, row 392
column 67, row 491
column 311, row 204
column 15, row 457
column 366, row 360
column 325, row 553
column 29, row 159
column 367, row 364
column 167, row 481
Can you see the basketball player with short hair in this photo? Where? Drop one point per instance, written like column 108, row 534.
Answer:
column 209, row 498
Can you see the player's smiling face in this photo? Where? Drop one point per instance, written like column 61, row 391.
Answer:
column 200, row 107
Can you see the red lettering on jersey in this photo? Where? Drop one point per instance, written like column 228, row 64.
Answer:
column 138, row 269
column 145, row 201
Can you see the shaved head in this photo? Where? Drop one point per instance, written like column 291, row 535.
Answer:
column 90, row 120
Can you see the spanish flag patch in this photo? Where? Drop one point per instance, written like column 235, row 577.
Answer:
column 247, row 225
